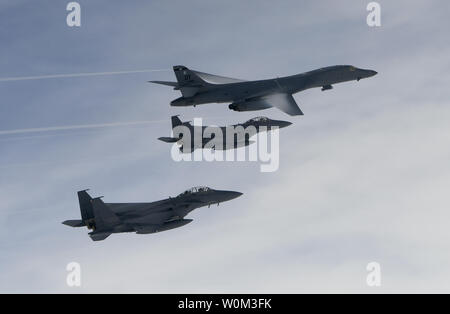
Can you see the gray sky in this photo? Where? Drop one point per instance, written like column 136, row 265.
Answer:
column 363, row 176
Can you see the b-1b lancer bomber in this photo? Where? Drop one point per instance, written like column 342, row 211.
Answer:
column 144, row 218
column 219, row 137
column 202, row 88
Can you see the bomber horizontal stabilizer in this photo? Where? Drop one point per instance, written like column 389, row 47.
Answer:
column 173, row 84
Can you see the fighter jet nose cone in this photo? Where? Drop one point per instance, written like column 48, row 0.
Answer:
column 372, row 73
column 231, row 195
column 234, row 195
column 285, row 124
column 225, row 196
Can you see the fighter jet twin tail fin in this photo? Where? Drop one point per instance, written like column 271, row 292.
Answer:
column 96, row 216
column 105, row 219
column 175, row 122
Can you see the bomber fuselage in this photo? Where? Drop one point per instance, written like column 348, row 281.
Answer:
column 240, row 91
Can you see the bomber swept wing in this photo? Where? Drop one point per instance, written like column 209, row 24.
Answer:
column 284, row 102
column 216, row 79
column 188, row 77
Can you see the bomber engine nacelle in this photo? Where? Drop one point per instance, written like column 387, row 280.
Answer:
column 249, row 105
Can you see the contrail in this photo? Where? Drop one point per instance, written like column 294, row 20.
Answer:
column 77, row 127
column 44, row 77
column 86, row 126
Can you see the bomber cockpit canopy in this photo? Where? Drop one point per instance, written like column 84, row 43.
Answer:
column 258, row 119
column 195, row 189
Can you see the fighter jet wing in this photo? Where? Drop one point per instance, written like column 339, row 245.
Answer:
column 174, row 204
column 284, row 102
column 188, row 202
column 155, row 213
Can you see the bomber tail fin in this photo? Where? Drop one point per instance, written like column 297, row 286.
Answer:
column 189, row 77
column 186, row 77
column 189, row 82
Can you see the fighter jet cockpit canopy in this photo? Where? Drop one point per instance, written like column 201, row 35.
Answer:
column 195, row 189
column 258, row 119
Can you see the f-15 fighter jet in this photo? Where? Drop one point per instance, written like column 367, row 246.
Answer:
column 202, row 88
column 144, row 218
column 216, row 137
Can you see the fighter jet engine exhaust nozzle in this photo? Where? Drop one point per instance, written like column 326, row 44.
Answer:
column 233, row 107
column 90, row 224
column 326, row 87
